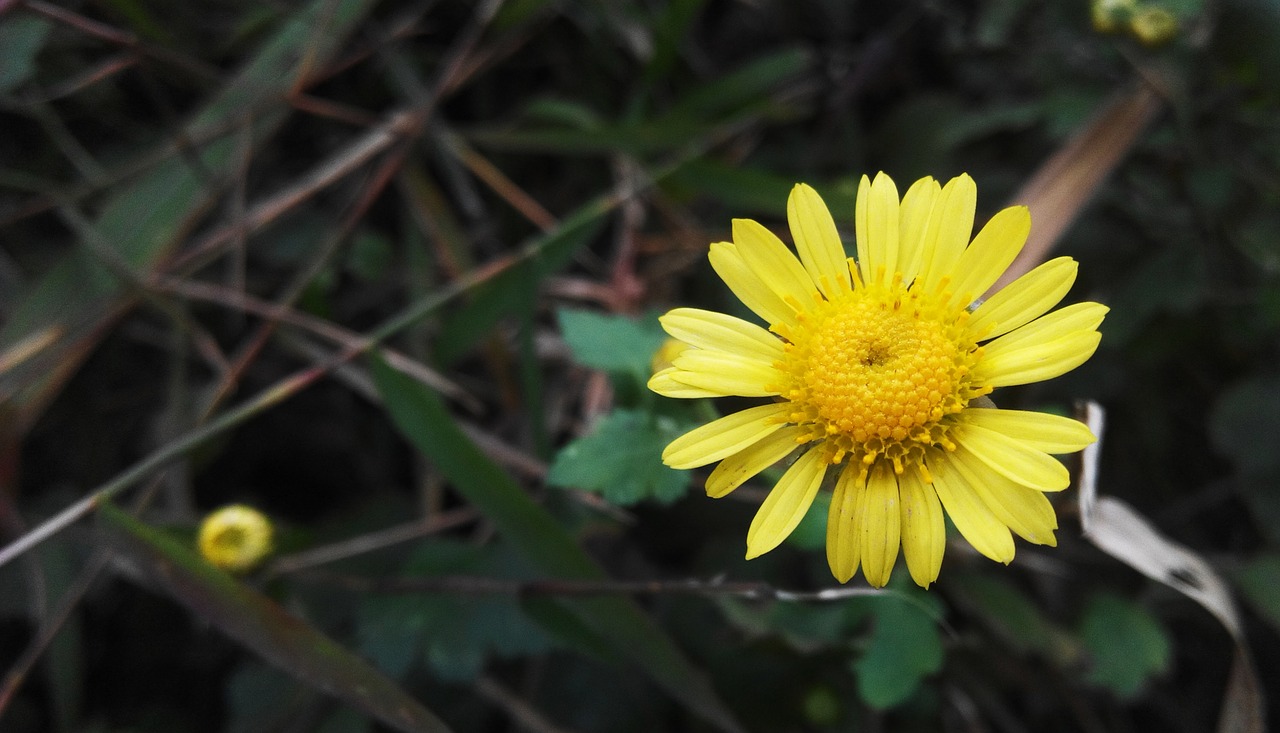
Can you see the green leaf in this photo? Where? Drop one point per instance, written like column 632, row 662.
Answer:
column 1126, row 644
column 1259, row 579
column 261, row 699
column 21, row 38
column 621, row 459
column 741, row 188
column 1246, row 416
column 454, row 634
column 263, row 626
column 611, row 343
column 1258, row 238
column 905, row 646
column 727, row 93
column 389, row 632
column 371, row 255
column 814, row 626
column 1016, row 619
column 562, row 112
column 672, row 25
column 420, row 415
column 507, row 292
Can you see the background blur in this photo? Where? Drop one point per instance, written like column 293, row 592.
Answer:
column 389, row 271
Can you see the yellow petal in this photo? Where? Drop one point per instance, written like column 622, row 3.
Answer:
column 876, row 223
column 750, row 289
column 843, row 545
column 861, row 204
column 880, row 521
column 1028, row 297
column 711, row 330
column 969, row 513
column 726, row 436
column 1025, row 511
column 950, row 226
column 991, row 253
column 1075, row 318
column 1039, row 430
column 773, row 263
column 664, row 384
column 787, row 503
column 817, row 241
column 924, row 533
column 1012, row 458
column 1037, row 362
column 728, row 374
column 913, row 225
column 738, row 468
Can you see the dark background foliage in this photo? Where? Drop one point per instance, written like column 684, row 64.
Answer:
column 207, row 206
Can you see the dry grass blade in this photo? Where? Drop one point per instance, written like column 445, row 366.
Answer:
column 263, row 626
column 1065, row 182
column 28, row 347
column 1121, row 532
column 355, row 155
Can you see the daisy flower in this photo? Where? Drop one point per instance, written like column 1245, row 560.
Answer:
column 878, row 372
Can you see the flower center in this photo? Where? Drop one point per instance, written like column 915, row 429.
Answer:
column 876, row 372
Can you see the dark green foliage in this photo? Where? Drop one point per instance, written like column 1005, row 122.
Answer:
column 208, row 207
column 1125, row 644
column 621, row 459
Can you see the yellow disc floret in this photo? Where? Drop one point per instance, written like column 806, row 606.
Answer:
column 877, row 371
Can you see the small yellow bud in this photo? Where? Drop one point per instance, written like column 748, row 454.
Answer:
column 666, row 354
column 235, row 538
column 1111, row 15
column 1153, row 25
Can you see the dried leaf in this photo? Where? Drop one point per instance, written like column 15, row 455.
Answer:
column 1120, row 531
column 1065, row 182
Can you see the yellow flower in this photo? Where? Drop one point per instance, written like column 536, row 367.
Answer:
column 1110, row 15
column 1153, row 25
column 235, row 538
column 878, row 370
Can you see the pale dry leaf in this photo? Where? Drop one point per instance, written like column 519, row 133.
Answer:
column 1121, row 532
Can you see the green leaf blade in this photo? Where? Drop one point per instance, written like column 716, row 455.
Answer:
column 422, row 418
column 266, row 628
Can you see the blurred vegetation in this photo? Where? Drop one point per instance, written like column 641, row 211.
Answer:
column 390, row 273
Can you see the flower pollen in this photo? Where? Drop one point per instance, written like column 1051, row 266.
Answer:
column 877, row 371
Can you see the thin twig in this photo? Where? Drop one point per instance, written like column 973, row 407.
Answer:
column 370, row 542
column 68, row 602
column 498, row 181
column 521, row 712
column 328, row 330
column 483, row 585
column 299, row 282
column 373, row 142
column 200, row 69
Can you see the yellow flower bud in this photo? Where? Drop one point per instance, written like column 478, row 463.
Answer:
column 235, row 538
column 1153, row 25
column 1111, row 15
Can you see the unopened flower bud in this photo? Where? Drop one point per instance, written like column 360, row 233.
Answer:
column 235, row 538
